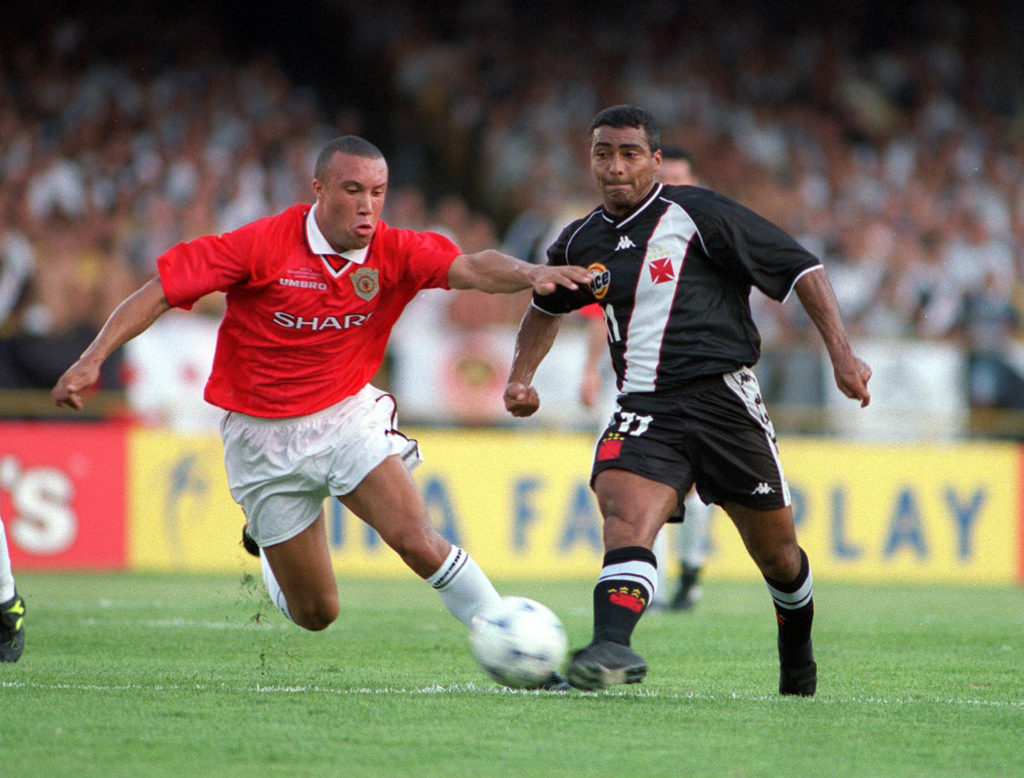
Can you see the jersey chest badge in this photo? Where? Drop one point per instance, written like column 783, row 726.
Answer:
column 365, row 282
column 659, row 264
column 601, row 281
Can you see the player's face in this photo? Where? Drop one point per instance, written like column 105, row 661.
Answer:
column 349, row 200
column 624, row 166
column 677, row 171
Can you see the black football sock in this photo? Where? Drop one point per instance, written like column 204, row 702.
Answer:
column 794, row 611
column 688, row 576
column 627, row 584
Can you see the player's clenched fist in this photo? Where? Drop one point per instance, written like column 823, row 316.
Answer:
column 521, row 400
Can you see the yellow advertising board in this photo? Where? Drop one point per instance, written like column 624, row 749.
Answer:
column 519, row 501
column 180, row 513
column 897, row 513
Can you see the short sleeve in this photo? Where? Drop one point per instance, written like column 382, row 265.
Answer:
column 562, row 300
column 194, row 269
column 427, row 258
column 749, row 244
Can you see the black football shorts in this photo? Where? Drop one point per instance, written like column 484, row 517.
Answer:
column 715, row 433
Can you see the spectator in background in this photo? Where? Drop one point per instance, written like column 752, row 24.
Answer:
column 988, row 321
column 831, row 135
column 17, row 266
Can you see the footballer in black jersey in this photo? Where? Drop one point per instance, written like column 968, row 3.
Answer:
column 673, row 276
column 673, row 269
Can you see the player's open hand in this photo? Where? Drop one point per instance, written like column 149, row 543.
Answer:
column 521, row 400
column 78, row 377
column 547, row 278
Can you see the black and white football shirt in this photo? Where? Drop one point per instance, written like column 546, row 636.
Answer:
column 674, row 277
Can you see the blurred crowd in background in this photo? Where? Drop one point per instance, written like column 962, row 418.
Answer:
column 888, row 140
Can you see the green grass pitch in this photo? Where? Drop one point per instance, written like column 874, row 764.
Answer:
column 171, row 675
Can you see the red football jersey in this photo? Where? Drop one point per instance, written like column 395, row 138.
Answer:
column 302, row 330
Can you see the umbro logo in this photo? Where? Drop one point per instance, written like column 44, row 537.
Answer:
column 625, row 243
column 763, row 488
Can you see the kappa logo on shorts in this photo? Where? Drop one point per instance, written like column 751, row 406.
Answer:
column 763, row 488
column 365, row 282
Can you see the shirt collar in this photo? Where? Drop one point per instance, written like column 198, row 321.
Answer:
column 318, row 243
column 622, row 221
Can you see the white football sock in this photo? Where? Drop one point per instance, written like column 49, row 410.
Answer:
column 464, row 588
column 273, row 588
column 6, row 576
column 661, row 552
column 693, row 537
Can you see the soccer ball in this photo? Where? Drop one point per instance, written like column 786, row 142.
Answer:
column 518, row 642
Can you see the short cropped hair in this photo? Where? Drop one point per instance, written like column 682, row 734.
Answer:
column 629, row 116
column 352, row 145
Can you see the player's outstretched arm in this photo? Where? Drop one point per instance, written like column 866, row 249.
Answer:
column 494, row 272
column 851, row 373
column 536, row 334
column 134, row 315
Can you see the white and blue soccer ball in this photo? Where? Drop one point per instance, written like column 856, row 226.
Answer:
column 518, row 642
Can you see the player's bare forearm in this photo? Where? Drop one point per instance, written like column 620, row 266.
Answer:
column 494, row 272
column 536, row 334
column 818, row 299
column 597, row 344
column 134, row 315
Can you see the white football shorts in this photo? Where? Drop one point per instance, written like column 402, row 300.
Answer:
column 281, row 470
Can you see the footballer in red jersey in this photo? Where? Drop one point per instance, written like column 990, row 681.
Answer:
column 312, row 294
column 305, row 325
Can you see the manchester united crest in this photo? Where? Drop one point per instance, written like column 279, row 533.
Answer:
column 365, row 282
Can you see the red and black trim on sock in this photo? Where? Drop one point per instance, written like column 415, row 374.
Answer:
column 627, row 583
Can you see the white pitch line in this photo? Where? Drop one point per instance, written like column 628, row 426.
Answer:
column 184, row 623
column 472, row 688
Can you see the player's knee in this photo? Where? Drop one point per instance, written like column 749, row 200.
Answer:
column 780, row 563
column 316, row 615
column 630, row 530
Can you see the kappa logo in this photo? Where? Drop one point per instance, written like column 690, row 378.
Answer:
column 625, row 243
column 763, row 488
